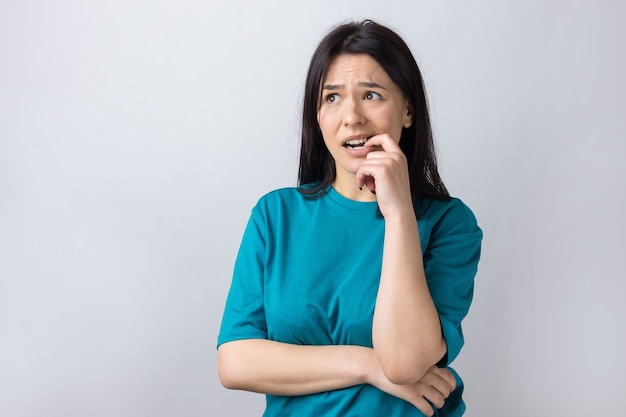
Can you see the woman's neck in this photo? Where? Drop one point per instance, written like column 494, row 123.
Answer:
column 349, row 189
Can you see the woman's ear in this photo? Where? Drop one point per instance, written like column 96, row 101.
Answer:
column 407, row 121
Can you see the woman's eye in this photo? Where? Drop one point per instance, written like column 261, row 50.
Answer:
column 331, row 98
column 372, row 96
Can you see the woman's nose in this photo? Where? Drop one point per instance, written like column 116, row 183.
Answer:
column 352, row 114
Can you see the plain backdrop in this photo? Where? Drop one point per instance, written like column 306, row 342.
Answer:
column 136, row 135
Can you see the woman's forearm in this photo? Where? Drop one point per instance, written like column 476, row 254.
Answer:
column 276, row 368
column 406, row 330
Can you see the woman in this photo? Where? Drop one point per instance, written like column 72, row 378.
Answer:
column 349, row 290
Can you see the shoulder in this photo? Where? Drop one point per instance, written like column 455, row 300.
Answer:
column 280, row 196
column 300, row 194
column 450, row 216
column 281, row 201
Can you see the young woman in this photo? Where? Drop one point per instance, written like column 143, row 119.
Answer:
column 349, row 290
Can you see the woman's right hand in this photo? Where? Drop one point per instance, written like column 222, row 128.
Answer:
column 434, row 387
column 276, row 368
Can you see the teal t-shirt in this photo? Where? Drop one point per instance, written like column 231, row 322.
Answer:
column 308, row 270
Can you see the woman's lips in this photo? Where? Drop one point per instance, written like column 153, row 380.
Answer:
column 357, row 147
column 356, row 142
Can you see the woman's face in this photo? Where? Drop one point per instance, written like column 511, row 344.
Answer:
column 358, row 100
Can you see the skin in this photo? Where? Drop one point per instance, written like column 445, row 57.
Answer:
column 360, row 101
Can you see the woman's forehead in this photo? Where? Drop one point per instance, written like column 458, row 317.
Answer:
column 359, row 67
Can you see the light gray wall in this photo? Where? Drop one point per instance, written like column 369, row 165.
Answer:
column 136, row 135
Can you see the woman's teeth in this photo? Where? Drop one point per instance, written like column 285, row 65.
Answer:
column 355, row 143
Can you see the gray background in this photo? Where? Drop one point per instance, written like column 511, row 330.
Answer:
column 136, row 135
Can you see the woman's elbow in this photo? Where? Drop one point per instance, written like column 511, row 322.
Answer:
column 404, row 375
column 227, row 367
column 408, row 369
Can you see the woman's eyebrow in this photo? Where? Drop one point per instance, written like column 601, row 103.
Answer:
column 332, row 87
column 367, row 84
column 370, row 85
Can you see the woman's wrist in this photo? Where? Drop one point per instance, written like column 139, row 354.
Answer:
column 368, row 367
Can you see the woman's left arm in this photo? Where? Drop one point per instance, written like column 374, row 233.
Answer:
column 406, row 332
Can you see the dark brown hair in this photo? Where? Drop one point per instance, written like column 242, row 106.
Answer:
column 317, row 167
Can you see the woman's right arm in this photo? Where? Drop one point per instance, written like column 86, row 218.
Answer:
column 277, row 368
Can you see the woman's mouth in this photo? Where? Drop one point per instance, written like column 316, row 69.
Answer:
column 355, row 143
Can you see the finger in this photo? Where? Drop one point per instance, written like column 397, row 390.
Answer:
column 380, row 155
column 439, row 379
column 365, row 177
column 395, row 159
column 384, row 141
column 433, row 396
column 367, row 181
column 441, row 386
column 423, row 405
column 447, row 376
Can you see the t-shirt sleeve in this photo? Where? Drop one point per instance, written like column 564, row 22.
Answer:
column 450, row 264
column 244, row 314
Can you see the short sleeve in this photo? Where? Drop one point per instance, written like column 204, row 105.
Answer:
column 244, row 314
column 450, row 264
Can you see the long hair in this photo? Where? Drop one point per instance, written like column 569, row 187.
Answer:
column 317, row 167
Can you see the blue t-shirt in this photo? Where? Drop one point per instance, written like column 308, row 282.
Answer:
column 308, row 271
